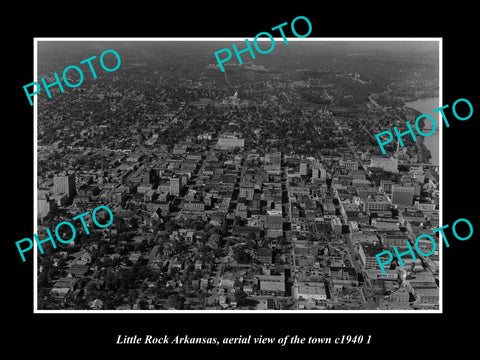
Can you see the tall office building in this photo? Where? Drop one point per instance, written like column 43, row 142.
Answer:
column 64, row 185
column 402, row 195
column 303, row 168
column 146, row 178
column 45, row 204
column 149, row 177
column 319, row 172
column 387, row 185
column 175, row 186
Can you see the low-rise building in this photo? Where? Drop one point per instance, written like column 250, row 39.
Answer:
column 401, row 295
column 427, row 296
column 273, row 285
column 264, row 255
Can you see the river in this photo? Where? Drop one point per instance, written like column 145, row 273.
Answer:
column 425, row 106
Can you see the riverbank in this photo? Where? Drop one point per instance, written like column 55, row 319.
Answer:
column 428, row 146
column 424, row 154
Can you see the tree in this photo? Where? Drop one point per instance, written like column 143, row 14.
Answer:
column 53, row 273
column 170, row 226
column 176, row 301
column 198, row 224
column 224, row 229
column 92, row 291
column 80, row 303
column 134, row 222
column 132, row 295
column 241, row 256
column 142, row 246
column 241, row 298
column 239, row 221
column 43, row 280
column 219, row 252
column 143, row 304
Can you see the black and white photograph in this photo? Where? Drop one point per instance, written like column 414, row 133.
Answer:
column 260, row 187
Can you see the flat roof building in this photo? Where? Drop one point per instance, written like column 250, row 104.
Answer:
column 402, row 195
column 311, row 290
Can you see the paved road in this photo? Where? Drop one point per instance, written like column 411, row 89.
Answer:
column 216, row 282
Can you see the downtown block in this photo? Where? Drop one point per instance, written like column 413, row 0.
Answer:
column 419, row 251
column 410, row 131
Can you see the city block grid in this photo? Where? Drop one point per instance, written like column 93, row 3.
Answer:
column 262, row 188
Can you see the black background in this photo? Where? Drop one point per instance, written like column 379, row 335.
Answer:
column 92, row 334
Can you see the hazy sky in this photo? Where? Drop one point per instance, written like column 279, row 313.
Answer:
column 75, row 51
column 404, row 46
